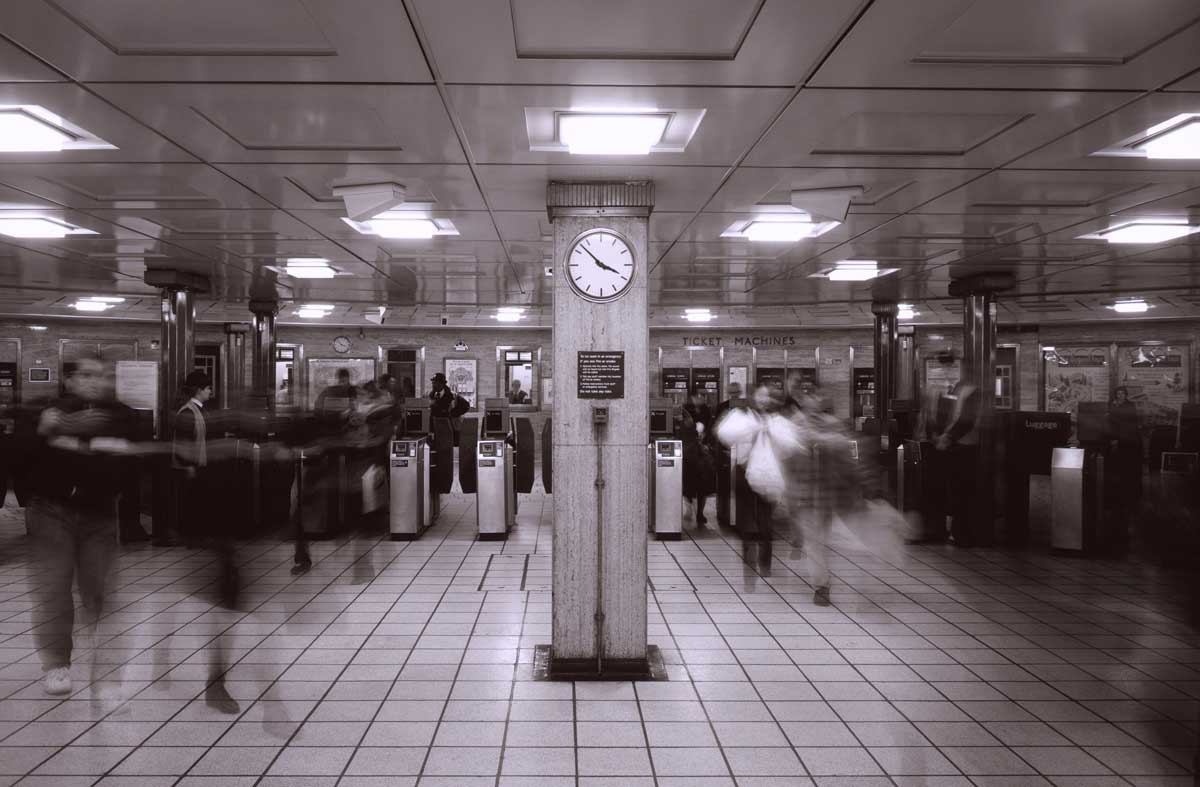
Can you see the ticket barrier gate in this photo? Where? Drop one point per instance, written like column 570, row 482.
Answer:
column 666, row 488
column 413, row 502
column 414, row 419
column 1028, row 441
column 496, row 495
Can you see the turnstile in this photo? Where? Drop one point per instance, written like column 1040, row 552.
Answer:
column 496, row 495
column 666, row 488
column 413, row 503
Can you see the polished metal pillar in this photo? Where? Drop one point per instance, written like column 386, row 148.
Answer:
column 235, row 364
column 885, row 367
column 978, row 295
column 262, row 383
column 177, row 337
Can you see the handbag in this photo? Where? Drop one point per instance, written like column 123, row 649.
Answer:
column 764, row 472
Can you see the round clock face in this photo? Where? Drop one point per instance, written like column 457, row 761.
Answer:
column 600, row 265
column 341, row 344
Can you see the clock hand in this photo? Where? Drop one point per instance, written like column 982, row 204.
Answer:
column 596, row 259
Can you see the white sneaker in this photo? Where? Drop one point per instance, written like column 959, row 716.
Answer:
column 57, row 681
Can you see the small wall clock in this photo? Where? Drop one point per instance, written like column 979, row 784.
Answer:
column 341, row 344
column 601, row 265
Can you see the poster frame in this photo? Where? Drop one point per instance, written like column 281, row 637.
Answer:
column 1189, row 361
column 473, row 362
column 1041, row 366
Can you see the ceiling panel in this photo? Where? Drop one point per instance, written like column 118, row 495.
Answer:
column 1073, row 192
column 1025, row 44
column 769, row 189
column 922, row 128
column 261, row 123
column 673, row 42
column 220, row 40
column 493, row 117
column 146, row 185
column 310, row 186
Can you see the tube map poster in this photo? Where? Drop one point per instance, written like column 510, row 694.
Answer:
column 1074, row 375
column 1156, row 377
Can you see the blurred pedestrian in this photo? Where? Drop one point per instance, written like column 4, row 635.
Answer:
column 75, row 479
column 1128, row 460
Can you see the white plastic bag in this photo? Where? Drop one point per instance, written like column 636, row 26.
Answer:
column 764, row 472
column 738, row 428
column 374, row 491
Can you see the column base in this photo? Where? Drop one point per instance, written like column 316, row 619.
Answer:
column 546, row 667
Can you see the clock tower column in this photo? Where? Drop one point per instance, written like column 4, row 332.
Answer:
column 600, row 433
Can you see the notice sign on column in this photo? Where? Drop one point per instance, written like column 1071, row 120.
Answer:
column 601, row 375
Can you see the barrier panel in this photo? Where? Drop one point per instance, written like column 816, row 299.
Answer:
column 547, row 448
column 524, row 461
column 441, row 476
column 468, row 476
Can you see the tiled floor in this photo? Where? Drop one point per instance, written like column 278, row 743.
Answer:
column 404, row 664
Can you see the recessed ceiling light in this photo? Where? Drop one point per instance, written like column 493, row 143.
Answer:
column 1130, row 306
column 37, row 327
column 91, row 306
column 611, row 134
column 309, row 268
column 24, row 132
column 779, row 230
column 1179, row 141
column 29, row 128
column 1147, row 232
column 38, row 227
column 410, row 227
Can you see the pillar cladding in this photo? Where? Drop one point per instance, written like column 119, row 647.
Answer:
column 178, row 335
column 600, row 531
column 262, row 382
column 235, row 364
column 886, row 339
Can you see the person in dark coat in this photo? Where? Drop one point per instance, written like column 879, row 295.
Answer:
column 699, row 458
column 78, row 462
column 1126, row 431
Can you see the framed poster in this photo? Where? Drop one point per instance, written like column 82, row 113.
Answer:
column 462, row 377
column 137, row 386
column 322, row 373
column 834, row 365
column 1074, row 374
column 942, row 377
column 547, row 392
column 739, row 375
column 1157, row 377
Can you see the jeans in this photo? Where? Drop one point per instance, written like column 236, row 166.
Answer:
column 69, row 545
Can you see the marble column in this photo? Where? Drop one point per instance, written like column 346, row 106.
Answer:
column 262, row 382
column 235, row 364
column 600, row 480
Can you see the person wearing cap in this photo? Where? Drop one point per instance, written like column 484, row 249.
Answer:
column 441, row 398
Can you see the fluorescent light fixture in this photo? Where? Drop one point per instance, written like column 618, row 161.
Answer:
column 1130, row 306
column 91, row 306
column 698, row 316
column 309, row 268
column 312, row 314
column 597, row 134
column 325, row 307
column 37, row 327
column 1180, row 141
column 779, row 231
column 854, row 270
column 414, row 229
column 24, row 132
column 905, row 311
column 103, row 299
column 38, row 227
column 509, row 317
column 1147, row 231
column 1048, row 349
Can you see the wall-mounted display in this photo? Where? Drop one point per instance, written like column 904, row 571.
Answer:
column 1073, row 375
column 1157, row 377
column 322, row 373
column 708, row 380
column 462, row 377
column 864, row 393
column 39, row 374
column 770, row 376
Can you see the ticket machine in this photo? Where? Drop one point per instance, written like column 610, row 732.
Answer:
column 666, row 473
column 413, row 503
